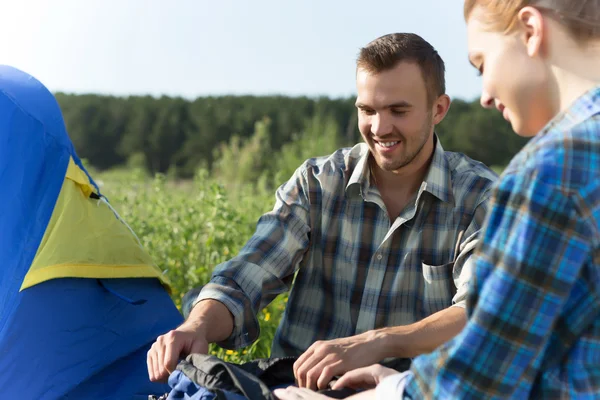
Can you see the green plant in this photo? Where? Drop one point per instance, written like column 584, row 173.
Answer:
column 189, row 227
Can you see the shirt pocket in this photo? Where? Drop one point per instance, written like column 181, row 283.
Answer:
column 438, row 287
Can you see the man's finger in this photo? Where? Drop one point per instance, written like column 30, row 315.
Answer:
column 328, row 373
column 302, row 359
column 171, row 356
column 155, row 369
column 312, row 376
column 305, row 368
column 150, row 364
column 159, row 356
column 304, row 356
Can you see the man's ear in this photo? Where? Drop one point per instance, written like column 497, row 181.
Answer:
column 440, row 108
column 531, row 23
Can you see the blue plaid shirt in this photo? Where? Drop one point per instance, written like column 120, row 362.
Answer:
column 534, row 303
column 355, row 270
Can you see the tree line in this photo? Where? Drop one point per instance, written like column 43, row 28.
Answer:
column 249, row 138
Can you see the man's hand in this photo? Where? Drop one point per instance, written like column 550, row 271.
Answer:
column 191, row 337
column 326, row 359
column 364, row 378
column 165, row 353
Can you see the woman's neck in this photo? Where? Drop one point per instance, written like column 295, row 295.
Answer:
column 576, row 70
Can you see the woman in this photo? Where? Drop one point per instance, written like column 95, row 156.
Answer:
column 534, row 305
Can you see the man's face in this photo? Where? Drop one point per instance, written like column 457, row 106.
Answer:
column 394, row 116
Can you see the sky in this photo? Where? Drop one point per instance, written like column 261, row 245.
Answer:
column 192, row 48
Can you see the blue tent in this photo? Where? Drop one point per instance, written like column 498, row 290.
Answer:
column 80, row 300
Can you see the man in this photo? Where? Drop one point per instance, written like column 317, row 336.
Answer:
column 378, row 236
column 534, row 302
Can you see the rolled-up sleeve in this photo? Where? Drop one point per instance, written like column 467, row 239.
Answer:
column 463, row 264
column 265, row 266
column 463, row 272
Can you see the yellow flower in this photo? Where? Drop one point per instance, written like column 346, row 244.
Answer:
column 229, row 352
column 267, row 316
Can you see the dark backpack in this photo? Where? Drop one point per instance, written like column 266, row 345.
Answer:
column 254, row 379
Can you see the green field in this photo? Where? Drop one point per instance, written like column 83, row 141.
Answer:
column 189, row 227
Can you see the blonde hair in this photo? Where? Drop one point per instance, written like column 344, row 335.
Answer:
column 581, row 18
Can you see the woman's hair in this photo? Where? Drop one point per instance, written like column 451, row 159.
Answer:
column 581, row 18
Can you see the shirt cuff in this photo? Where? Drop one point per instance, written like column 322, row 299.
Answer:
column 392, row 387
column 461, row 304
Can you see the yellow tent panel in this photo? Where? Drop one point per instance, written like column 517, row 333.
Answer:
column 86, row 239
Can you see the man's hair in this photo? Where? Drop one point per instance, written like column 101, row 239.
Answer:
column 387, row 51
column 581, row 18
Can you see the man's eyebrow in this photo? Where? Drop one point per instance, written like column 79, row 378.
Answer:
column 399, row 104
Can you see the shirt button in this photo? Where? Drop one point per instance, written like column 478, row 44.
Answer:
column 379, row 256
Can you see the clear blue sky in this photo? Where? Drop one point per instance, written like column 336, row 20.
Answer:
column 193, row 48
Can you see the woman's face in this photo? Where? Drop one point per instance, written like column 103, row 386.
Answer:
column 516, row 80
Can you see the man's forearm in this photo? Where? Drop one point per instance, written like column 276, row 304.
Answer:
column 211, row 319
column 423, row 336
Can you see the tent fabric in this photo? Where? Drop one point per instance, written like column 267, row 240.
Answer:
column 80, row 300
column 79, row 232
column 75, row 338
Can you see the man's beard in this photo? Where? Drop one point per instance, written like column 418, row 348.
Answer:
column 411, row 154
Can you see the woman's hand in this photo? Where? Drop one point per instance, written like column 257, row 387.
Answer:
column 364, row 378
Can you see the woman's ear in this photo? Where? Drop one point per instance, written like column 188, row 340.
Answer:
column 531, row 23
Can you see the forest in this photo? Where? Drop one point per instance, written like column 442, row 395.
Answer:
column 249, row 139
